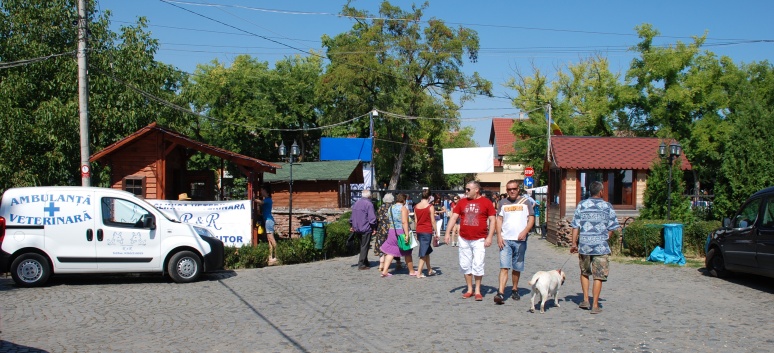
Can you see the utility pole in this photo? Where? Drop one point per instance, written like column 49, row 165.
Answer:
column 83, row 93
column 373, row 142
column 548, row 132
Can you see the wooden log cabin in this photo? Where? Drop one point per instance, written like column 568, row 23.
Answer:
column 622, row 164
column 152, row 163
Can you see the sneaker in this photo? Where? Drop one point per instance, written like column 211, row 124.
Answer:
column 515, row 295
column 584, row 305
column 498, row 299
column 596, row 310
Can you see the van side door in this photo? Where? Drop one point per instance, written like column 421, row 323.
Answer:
column 124, row 243
column 765, row 240
column 739, row 245
column 69, row 221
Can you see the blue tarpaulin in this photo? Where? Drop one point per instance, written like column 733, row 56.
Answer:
column 345, row 149
column 672, row 253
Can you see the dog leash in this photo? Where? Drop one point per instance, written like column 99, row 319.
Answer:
column 565, row 262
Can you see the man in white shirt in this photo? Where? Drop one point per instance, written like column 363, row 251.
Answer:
column 515, row 218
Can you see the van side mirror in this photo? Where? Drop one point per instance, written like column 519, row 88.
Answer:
column 727, row 222
column 149, row 222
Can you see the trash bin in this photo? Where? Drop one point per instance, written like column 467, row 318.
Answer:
column 305, row 230
column 318, row 234
column 672, row 253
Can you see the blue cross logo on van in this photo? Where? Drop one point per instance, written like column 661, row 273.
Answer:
column 51, row 209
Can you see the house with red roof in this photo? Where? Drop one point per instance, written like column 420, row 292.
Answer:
column 502, row 140
column 622, row 164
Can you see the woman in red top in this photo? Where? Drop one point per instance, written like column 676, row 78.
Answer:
column 424, row 218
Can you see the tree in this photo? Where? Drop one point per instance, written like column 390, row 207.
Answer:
column 583, row 102
column 747, row 162
column 248, row 105
column 39, row 99
column 403, row 65
column 656, row 194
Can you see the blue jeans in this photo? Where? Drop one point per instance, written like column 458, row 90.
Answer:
column 512, row 255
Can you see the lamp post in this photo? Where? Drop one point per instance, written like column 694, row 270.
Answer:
column 674, row 152
column 293, row 153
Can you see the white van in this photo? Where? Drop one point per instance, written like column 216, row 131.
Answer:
column 53, row 230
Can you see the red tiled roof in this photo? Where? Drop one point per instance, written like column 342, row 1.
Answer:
column 591, row 152
column 502, row 135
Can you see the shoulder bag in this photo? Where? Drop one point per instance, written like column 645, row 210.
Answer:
column 404, row 240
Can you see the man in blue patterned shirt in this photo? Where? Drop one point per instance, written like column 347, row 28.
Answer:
column 593, row 223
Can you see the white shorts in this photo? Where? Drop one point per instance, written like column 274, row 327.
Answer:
column 472, row 253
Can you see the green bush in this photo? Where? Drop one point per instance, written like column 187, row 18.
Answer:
column 641, row 236
column 336, row 235
column 293, row 251
column 695, row 236
column 297, row 250
column 247, row 256
column 616, row 247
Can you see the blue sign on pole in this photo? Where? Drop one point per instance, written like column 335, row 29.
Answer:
column 529, row 182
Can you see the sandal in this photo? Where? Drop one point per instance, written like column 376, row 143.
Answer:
column 432, row 273
column 584, row 305
column 596, row 310
column 479, row 297
column 387, row 275
column 420, row 275
column 467, row 295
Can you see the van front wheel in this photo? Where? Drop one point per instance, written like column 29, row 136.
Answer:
column 184, row 267
column 30, row 270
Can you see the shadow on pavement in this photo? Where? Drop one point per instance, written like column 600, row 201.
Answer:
column 123, row 278
column 761, row 283
column 6, row 346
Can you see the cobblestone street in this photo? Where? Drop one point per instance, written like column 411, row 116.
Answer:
column 330, row 306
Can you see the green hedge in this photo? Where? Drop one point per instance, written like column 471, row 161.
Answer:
column 293, row 251
column 642, row 236
column 247, row 256
column 695, row 236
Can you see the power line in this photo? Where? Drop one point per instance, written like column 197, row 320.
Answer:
column 171, row 105
column 10, row 64
column 172, row 3
column 291, row 12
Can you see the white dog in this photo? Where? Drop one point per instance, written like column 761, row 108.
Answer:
column 546, row 284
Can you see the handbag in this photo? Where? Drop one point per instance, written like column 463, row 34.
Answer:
column 436, row 242
column 414, row 242
column 260, row 229
column 404, row 241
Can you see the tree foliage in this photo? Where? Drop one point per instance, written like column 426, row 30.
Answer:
column 746, row 159
column 657, row 194
column 399, row 63
column 39, row 100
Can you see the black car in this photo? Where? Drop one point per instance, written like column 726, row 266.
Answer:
column 745, row 243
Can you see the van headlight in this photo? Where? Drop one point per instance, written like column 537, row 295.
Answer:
column 203, row 232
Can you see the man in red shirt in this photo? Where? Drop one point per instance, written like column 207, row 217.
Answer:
column 476, row 231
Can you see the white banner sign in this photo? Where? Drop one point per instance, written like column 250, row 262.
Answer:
column 468, row 160
column 227, row 220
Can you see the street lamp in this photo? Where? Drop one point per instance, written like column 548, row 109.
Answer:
column 674, row 152
column 293, row 153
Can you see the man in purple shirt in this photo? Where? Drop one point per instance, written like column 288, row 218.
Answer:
column 363, row 224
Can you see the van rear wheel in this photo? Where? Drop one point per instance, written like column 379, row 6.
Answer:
column 30, row 270
column 184, row 267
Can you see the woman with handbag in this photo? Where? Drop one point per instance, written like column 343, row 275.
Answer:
column 424, row 215
column 399, row 227
column 383, row 229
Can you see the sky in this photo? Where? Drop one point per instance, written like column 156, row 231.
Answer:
column 514, row 35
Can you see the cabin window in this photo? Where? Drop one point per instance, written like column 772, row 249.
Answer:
column 135, row 184
column 618, row 185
